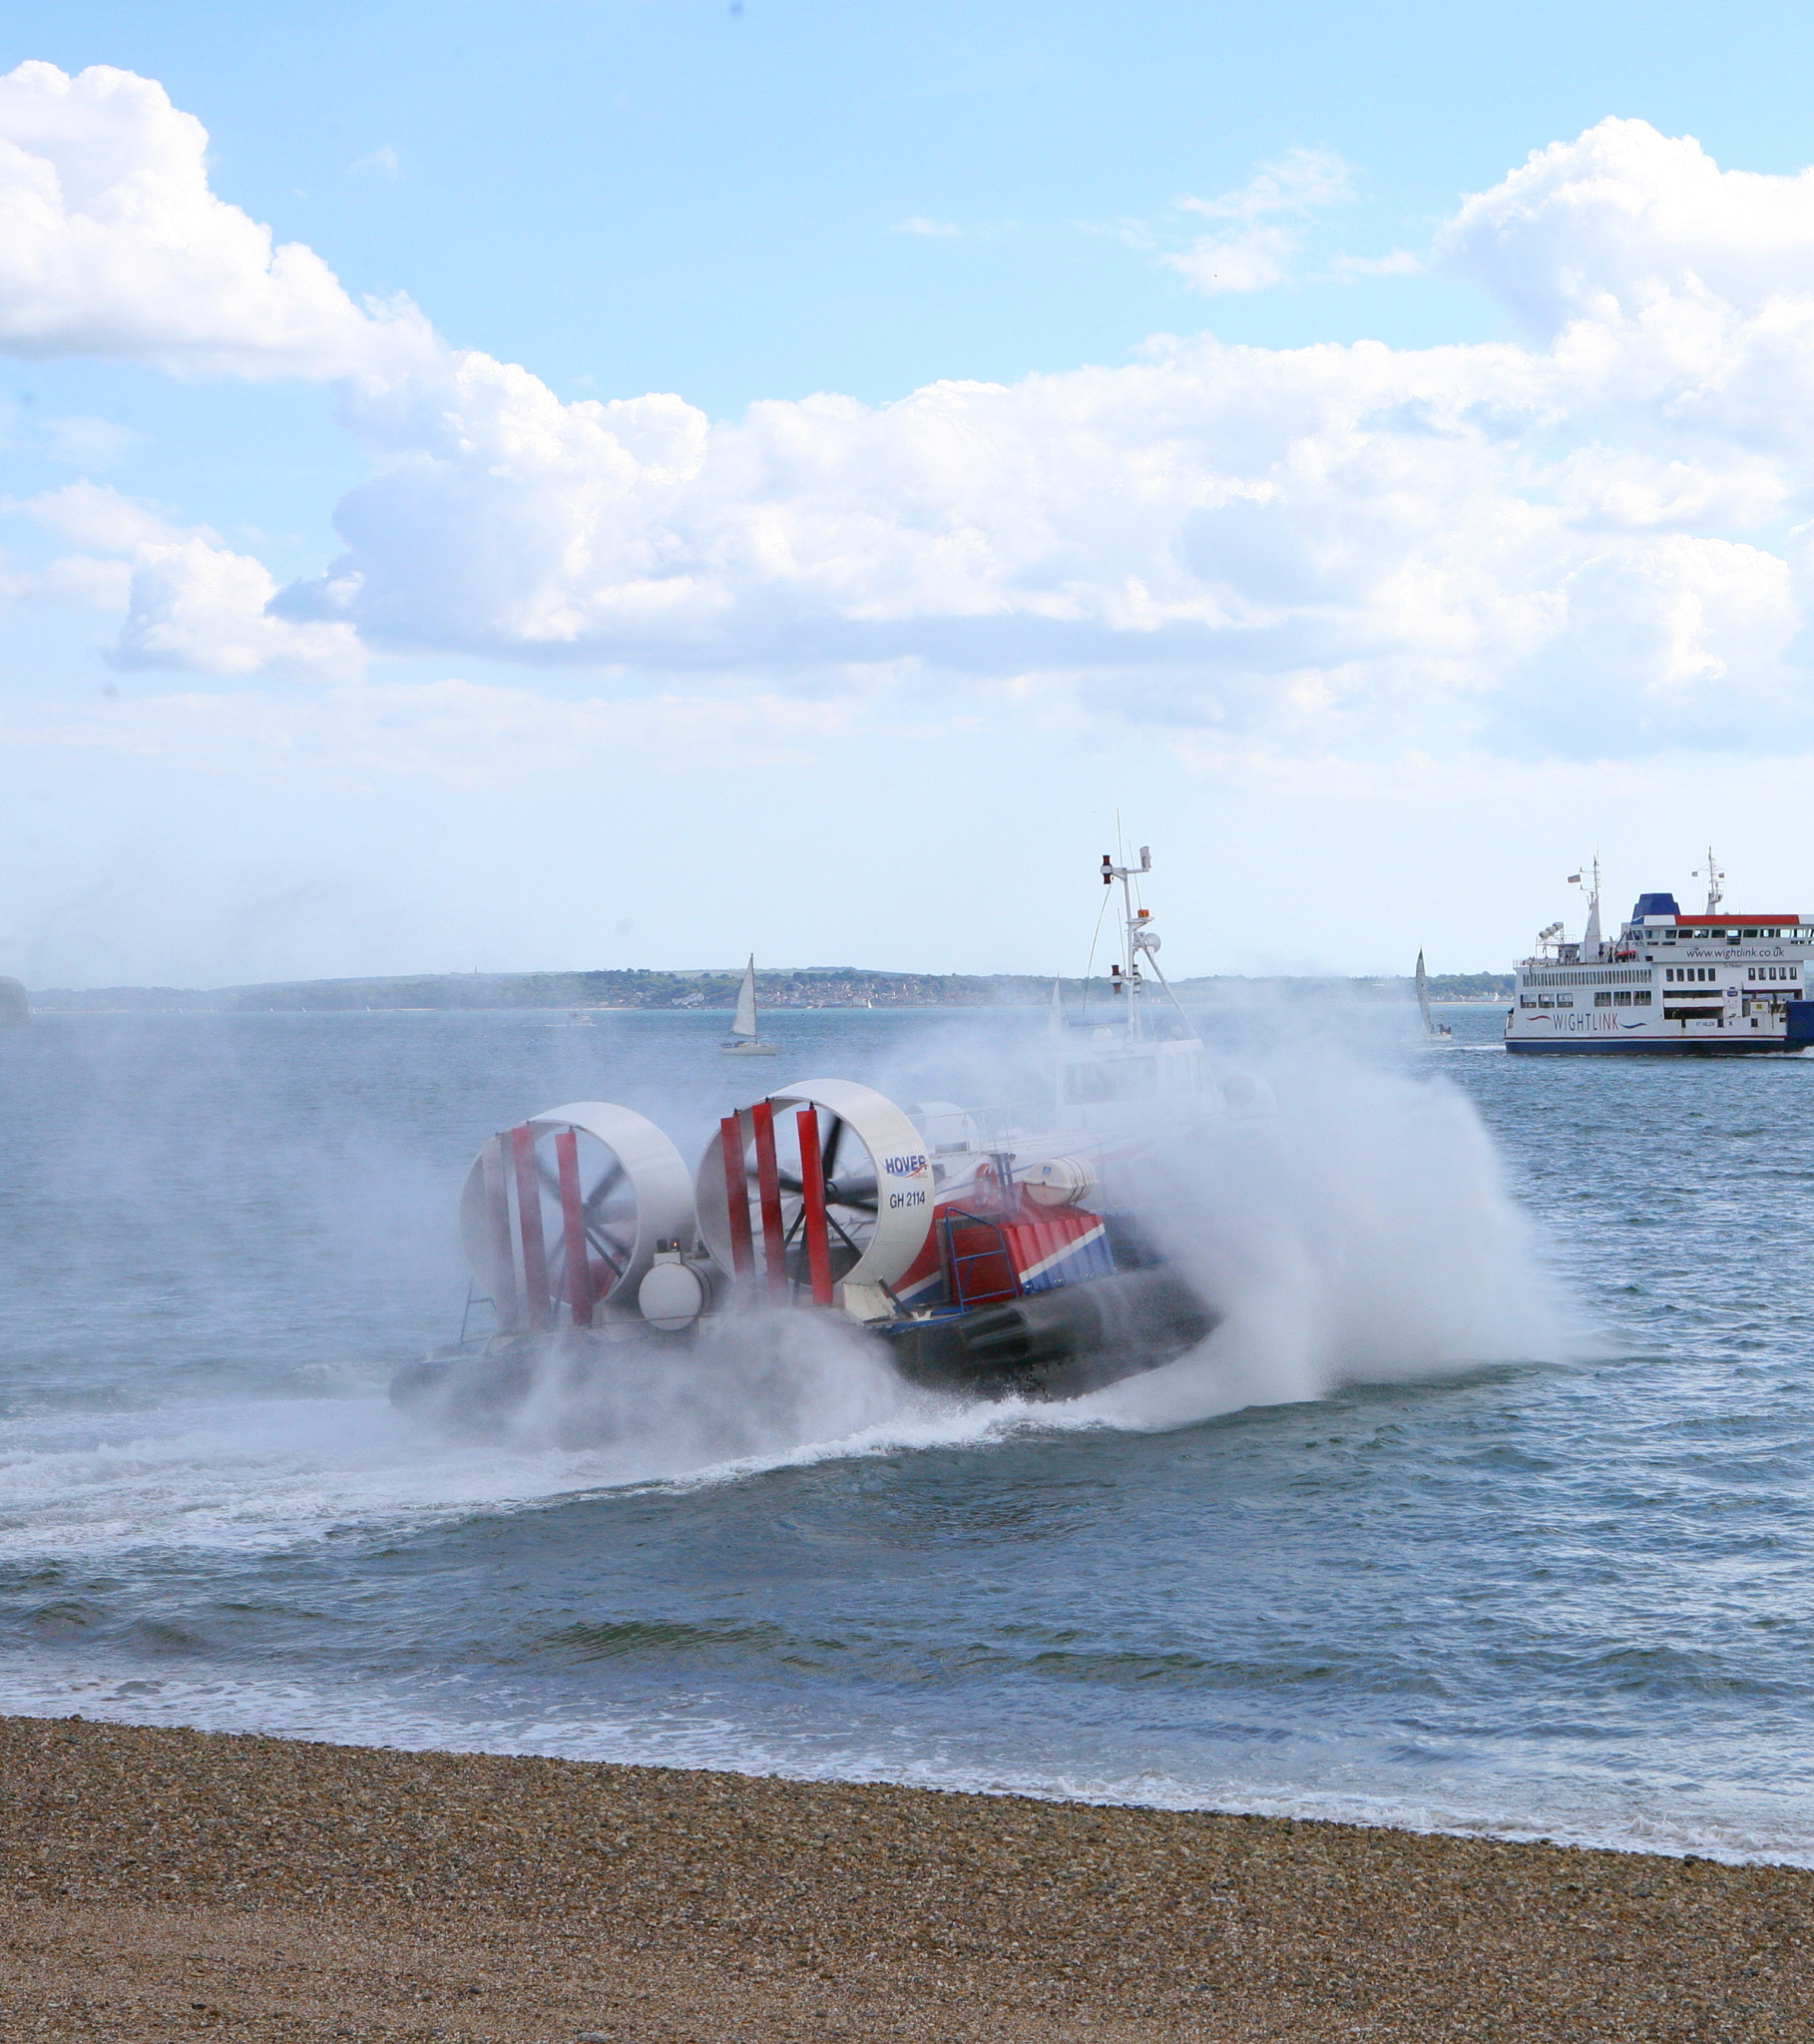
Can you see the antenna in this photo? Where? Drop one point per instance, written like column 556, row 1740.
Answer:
column 1139, row 942
column 1590, row 937
column 1715, row 873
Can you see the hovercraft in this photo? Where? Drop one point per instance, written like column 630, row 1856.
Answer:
column 984, row 1256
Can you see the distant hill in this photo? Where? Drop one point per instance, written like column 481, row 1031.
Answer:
column 815, row 986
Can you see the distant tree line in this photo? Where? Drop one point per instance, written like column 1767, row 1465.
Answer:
column 824, row 986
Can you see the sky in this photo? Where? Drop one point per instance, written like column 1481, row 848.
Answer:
column 626, row 484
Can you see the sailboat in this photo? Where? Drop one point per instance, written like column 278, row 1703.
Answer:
column 1432, row 1027
column 743, row 1042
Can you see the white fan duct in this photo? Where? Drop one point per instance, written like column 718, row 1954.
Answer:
column 879, row 1188
column 591, row 1171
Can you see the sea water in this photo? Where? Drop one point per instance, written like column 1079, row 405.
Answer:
column 1488, row 1508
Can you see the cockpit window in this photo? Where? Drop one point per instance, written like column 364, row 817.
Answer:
column 1111, row 1079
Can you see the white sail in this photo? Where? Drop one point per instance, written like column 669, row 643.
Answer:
column 1423, row 998
column 744, row 1023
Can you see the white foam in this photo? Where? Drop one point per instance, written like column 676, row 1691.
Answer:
column 698, row 1732
column 1360, row 1233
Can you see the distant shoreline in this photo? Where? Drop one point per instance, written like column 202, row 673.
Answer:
column 711, row 992
column 174, row 1883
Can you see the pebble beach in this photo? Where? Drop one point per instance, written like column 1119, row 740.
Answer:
column 162, row 1884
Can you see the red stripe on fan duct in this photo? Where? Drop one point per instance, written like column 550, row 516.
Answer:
column 737, row 1192
column 572, row 1229
column 812, row 1199
column 769, row 1186
column 529, row 1225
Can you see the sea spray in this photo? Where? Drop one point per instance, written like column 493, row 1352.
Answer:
column 1345, row 1223
column 746, row 1390
column 1360, row 1232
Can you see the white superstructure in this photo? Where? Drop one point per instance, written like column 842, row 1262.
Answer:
column 1668, row 981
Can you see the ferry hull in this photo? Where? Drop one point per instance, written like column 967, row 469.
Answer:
column 1734, row 1039
column 1653, row 1046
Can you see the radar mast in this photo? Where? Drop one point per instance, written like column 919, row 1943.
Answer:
column 1715, row 873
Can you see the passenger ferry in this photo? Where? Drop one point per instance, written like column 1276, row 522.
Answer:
column 1670, row 981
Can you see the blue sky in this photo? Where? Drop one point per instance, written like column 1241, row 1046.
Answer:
column 1373, row 645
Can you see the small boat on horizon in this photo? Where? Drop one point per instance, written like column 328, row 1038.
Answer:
column 743, row 1040
column 1431, row 1028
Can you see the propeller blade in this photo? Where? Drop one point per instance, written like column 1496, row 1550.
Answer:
column 828, row 1150
column 605, row 1185
column 617, row 1254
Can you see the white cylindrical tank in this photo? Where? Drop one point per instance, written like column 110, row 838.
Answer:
column 1059, row 1182
column 673, row 1292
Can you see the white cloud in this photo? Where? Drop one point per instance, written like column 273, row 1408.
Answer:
column 1577, row 547
column 77, row 581
column 96, row 515
column 203, row 610
column 1299, row 181
column 190, row 604
column 1400, row 262
column 112, row 243
column 381, row 163
column 936, row 230
column 1620, row 222
column 1334, row 545
column 1260, row 255
column 1247, row 262
column 461, row 734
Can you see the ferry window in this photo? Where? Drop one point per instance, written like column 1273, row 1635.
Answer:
column 1603, row 1000
column 1622, row 999
column 1753, row 933
column 1642, row 1000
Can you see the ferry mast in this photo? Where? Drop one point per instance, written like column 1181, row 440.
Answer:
column 1715, row 873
